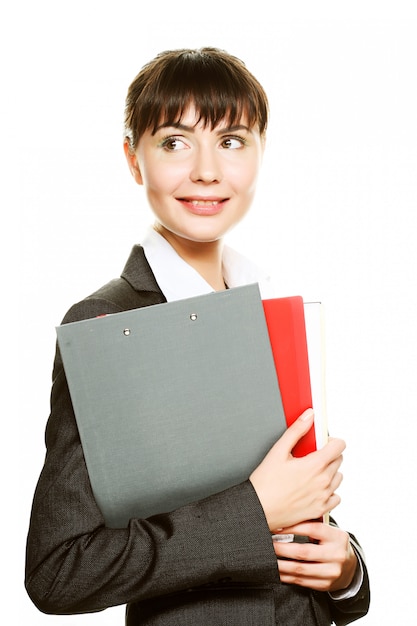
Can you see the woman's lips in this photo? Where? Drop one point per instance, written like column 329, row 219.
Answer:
column 203, row 206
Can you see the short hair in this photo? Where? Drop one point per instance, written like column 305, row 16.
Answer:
column 217, row 84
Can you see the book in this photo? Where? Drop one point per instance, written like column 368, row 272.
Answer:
column 296, row 335
column 180, row 400
column 315, row 332
column 286, row 327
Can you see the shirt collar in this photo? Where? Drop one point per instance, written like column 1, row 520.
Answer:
column 178, row 280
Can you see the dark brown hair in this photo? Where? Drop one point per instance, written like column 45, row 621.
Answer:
column 218, row 85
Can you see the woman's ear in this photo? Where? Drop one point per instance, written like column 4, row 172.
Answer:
column 132, row 163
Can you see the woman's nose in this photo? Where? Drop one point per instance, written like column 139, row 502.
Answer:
column 206, row 167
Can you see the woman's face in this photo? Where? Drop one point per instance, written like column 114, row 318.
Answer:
column 200, row 181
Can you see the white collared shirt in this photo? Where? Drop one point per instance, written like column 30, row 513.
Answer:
column 178, row 280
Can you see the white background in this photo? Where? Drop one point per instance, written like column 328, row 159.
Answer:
column 334, row 220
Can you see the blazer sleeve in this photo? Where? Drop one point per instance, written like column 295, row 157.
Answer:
column 75, row 564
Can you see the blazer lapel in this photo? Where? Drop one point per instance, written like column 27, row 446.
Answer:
column 138, row 273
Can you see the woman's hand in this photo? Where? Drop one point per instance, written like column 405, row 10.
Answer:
column 292, row 490
column 328, row 565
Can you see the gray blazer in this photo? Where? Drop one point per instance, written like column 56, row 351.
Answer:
column 210, row 563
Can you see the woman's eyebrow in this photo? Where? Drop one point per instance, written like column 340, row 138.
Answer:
column 176, row 125
column 233, row 129
column 191, row 129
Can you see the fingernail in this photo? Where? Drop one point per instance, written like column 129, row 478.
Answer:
column 307, row 415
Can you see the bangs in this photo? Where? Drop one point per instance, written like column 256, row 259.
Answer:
column 220, row 89
column 211, row 109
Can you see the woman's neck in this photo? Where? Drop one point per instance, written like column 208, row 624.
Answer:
column 204, row 257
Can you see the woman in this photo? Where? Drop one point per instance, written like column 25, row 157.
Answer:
column 195, row 124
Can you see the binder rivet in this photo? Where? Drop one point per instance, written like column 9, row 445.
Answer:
column 193, row 317
column 126, row 331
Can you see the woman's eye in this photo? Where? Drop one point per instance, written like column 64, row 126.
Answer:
column 232, row 143
column 172, row 144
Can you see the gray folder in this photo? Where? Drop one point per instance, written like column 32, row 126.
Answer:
column 174, row 402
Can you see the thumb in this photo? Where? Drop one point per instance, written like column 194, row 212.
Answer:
column 297, row 430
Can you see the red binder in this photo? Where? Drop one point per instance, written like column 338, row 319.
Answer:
column 287, row 332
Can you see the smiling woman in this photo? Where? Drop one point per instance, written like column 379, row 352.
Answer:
column 195, row 123
column 194, row 138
